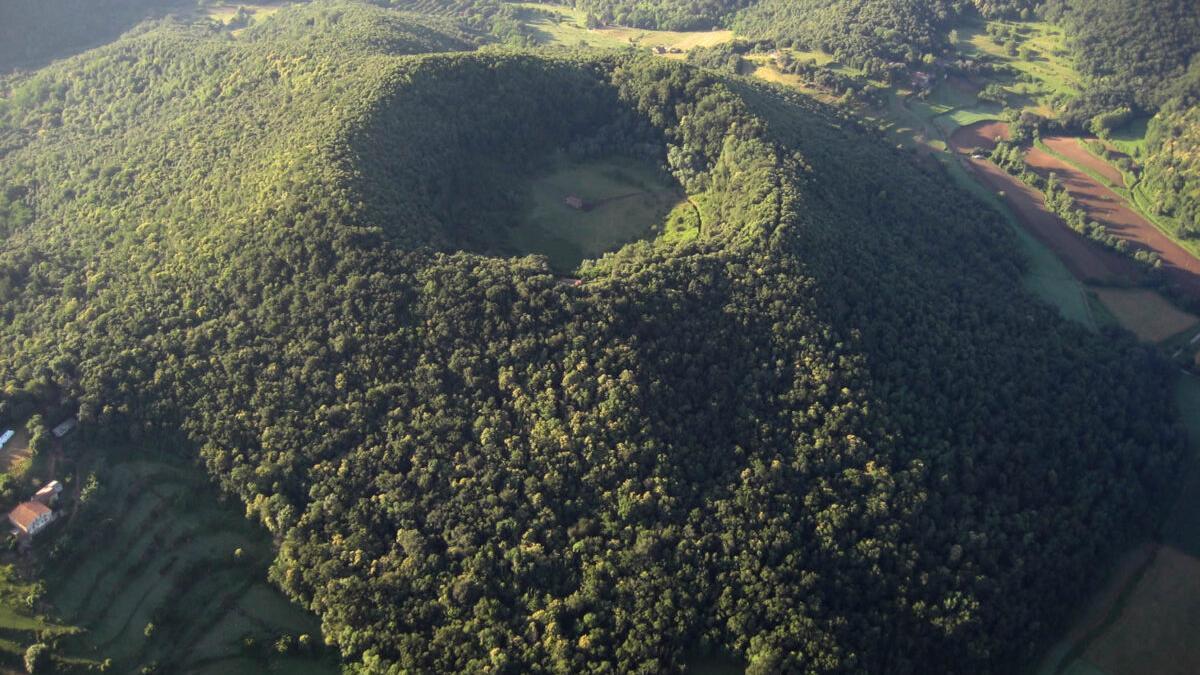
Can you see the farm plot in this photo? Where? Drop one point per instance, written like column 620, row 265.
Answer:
column 228, row 12
column 1146, row 313
column 1086, row 260
column 1107, row 208
column 1075, row 153
column 581, row 210
column 1155, row 631
column 162, row 574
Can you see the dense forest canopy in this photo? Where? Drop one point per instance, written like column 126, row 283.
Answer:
column 1172, row 164
column 854, row 30
column 904, row 22
column 831, row 434
column 1132, row 52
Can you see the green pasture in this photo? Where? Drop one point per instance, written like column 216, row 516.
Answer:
column 1043, row 57
column 1131, row 138
column 557, row 25
column 160, row 572
column 554, row 25
column 627, row 200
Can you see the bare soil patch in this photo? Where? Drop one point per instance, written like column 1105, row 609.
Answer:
column 15, row 453
column 1087, row 260
column 1074, row 152
column 979, row 135
column 1107, row 208
column 1146, row 313
column 1156, row 630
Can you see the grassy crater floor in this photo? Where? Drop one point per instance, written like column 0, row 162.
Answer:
column 623, row 200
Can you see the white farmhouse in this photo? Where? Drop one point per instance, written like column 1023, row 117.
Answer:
column 31, row 517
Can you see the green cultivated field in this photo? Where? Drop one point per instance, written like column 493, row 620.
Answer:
column 627, row 200
column 159, row 572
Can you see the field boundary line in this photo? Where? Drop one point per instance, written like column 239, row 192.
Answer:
column 1078, row 649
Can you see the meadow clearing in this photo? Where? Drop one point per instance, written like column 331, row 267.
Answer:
column 557, row 25
column 622, row 200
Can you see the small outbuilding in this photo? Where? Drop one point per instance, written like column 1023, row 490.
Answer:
column 30, row 517
column 64, row 428
column 576, row 202
column 49, row 493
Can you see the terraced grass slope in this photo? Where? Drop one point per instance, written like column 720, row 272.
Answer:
column 156, row 572
column 817, row 436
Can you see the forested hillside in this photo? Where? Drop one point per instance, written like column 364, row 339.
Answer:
column 1140, row 57
column 1172, row 169
column 1132, row 52
column 832, row 434
column 855, row 31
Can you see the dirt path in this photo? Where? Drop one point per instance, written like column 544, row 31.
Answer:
column 1086, row 260
column 1072, row 149
column 1107, row 208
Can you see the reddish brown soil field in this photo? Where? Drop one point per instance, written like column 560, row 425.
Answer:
column 1087, row 260
column 1107, row 208
column 1072, row 149
column 978, row 135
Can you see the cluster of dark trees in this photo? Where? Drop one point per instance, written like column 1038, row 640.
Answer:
column 831, row 434
column 726, row 57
